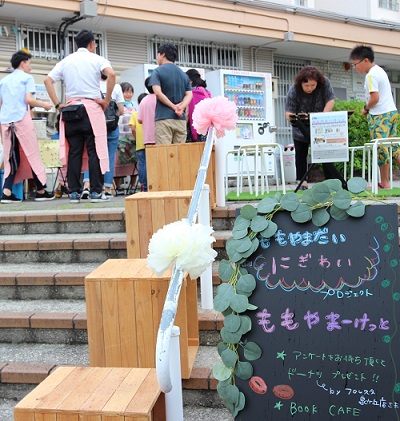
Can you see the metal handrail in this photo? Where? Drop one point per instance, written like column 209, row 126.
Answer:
column 171, row 301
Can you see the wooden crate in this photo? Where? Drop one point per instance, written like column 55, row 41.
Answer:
column 175, row 167
column 124, row 302
column 88, row 394
column 145, row 213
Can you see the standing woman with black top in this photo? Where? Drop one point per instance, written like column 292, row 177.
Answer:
column 310, row 92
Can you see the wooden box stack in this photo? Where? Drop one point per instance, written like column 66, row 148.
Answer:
column 124, row 301
column 101, row 394
column 175, row 167
column 145, row 213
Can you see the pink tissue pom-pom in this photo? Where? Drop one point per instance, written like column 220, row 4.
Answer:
column 218, row 111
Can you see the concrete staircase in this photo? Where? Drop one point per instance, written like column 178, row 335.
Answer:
column 45, row 257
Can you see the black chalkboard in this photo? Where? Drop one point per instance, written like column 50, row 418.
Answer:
column 327, row 321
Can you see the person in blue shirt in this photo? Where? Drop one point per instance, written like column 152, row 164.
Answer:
column 21, row 150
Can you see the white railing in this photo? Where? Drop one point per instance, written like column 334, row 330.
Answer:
column 171, row 301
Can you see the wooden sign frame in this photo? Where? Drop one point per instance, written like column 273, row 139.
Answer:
column 293, row 341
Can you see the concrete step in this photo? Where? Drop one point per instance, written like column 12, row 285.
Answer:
column 62, row 248
column 65, row 322
column 37, row 281
column 62, row 221
column 22, row 365
column 53, row 281
column 31, row 363
column 74, row 248
column 78, row 221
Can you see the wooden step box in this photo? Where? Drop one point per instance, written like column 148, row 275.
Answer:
column 88, row 394
column 175, row 167
column 145, row 213
column 124, row 301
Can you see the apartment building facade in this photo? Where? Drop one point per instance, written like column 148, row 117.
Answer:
column 254, row 35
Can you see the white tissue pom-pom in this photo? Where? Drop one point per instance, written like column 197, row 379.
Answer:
column 187, row 246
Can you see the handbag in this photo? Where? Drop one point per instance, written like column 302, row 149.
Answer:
column 111, row 114
column 73, row 112
column 112, row 117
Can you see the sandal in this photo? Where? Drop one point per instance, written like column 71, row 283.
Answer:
column 381, row 186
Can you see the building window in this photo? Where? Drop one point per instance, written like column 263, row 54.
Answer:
column 300, row 2
column 389, row 4
column 201, row 54
column 44, row 42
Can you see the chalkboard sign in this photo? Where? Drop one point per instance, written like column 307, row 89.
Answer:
column 328, row 303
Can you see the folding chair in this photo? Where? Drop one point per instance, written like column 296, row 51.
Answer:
column 50, row 154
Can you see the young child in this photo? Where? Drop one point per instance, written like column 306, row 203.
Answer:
column 125, row 139
column 129, row 104
column 137, row 131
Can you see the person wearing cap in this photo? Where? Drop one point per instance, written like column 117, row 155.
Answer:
column 21, row 150
column 83, row 141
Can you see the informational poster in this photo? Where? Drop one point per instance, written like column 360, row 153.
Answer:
column 329, row 137
column 358, row 82
column 327, row 321
column 42, row 95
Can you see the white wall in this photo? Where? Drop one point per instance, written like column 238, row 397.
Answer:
column 384, row 14
column 358, row 8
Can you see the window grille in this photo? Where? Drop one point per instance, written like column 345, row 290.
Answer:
column 71, row 46
column 201, row 54
column 389, row 4
column 44, row 42
column 285, row 70
column 41, row 42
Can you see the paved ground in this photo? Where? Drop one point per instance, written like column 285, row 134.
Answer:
column 84, row 205
column 62, row 204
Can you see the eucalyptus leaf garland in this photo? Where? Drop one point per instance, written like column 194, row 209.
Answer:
column 318, row 204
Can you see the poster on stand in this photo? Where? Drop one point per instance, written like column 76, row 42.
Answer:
column 329, row 137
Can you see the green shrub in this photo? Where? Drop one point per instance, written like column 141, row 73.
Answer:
column 358, row 132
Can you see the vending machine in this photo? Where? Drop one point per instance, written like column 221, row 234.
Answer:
column 252, row 94
column 137, row 75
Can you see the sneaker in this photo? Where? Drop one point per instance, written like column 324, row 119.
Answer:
column 74, row 197
column 109, row 195
column 120, row 192
column 98, row 197
column 85, row 194
column 60, row 190
column 10, row 199
column 41, row 197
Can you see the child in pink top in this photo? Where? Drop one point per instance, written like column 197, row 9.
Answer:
column 146, row 115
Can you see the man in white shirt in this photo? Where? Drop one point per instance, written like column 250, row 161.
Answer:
column 81, row 72
column 379, row 108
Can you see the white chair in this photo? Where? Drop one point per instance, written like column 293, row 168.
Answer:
column 352, row 150
column 252, row 163
column 375, row 173
column 247, row 153
column 234, row 153
column 267, row 152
